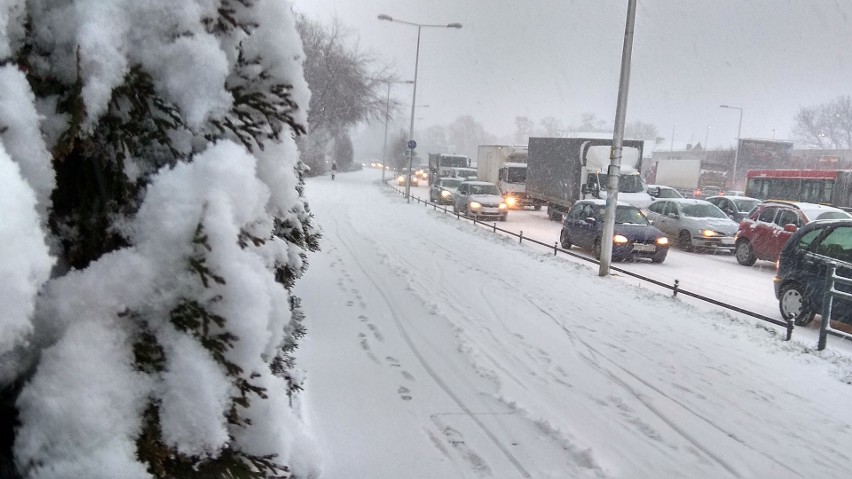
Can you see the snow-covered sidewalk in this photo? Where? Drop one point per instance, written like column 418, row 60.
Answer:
column 436, row 349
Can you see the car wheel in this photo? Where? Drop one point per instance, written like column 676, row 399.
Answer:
column 564, row 240
column 537, row 207
column 794, row 306
column 659, row 257
column 685, row 241
column 504, row 217
column 745, row 253
column 596, row 249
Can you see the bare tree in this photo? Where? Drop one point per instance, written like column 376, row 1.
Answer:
column 640, row 130
column 828, row 125
column 524, row 127
column 467, row 134
column 552, row 127
column 346, row 87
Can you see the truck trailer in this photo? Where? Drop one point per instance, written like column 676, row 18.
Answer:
column 561, row 171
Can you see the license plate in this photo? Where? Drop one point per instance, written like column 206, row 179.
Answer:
column 644, row 247
column 728, row 241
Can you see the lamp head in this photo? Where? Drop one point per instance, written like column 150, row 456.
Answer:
column 454, row 25
column 385, row 17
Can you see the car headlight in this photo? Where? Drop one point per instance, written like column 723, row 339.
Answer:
column 475, row 205
column 400, row 178
column 620, row 239
column 708, row 233
column 511, row 201
column 502, row 206
column 446, row 194
column 662, row 241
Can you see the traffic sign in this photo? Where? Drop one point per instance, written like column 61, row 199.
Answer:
column 412, row 144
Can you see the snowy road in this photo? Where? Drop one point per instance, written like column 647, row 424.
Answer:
column 436, row 349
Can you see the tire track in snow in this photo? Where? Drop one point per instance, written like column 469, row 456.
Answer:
column 594, row 360
column 395, row 309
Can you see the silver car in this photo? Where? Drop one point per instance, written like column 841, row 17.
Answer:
column 693, row 224
column 443, row 191
column 480, row 199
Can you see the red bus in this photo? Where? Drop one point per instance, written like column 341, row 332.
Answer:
column 831, row 187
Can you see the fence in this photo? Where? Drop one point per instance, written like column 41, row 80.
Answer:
column 832, row 279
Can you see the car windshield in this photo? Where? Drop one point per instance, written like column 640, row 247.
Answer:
column 744, row 204
column 626, row 183
column 701, row 210
column 484, row 190
column 629, row 215
column 451, row 182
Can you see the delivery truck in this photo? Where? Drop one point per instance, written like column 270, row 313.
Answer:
column 561, row 171
column 506, row 166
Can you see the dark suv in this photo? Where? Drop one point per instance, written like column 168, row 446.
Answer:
column 802, row 267
column 770, row 224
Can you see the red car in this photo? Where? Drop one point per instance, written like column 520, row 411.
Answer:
column 766, row 230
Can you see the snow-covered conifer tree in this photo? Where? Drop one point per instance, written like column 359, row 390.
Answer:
column 154, row 223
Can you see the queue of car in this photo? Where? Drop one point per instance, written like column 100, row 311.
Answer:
column 803, row 239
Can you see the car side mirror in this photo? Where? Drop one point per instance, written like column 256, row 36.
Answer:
column 673, row 215
column 591, row 220
column 658, row 192
column 790, row 228
column 584, row 189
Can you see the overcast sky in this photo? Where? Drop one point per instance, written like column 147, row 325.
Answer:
column 561, row 58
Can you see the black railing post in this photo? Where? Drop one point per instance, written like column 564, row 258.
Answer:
column 521, row 237
column 676, row 285
column 827, row 302
column 494, row 229
column 555, row 244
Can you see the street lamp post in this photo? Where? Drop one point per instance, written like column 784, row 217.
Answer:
column 414, row 93
column 387, row 116
column 737, row 151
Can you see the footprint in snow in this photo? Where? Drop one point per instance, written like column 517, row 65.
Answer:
column 403, row 393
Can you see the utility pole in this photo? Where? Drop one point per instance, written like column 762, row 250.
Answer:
column 617, row 141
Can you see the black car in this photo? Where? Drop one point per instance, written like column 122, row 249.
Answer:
column 800, row 282
column 633, row 235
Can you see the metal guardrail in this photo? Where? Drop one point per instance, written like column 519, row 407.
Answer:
column 675, row 288
column 831, row 292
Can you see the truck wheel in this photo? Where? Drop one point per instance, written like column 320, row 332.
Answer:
column 564, row 240
column 685, row 241
column 745, row 253
column 794, row 306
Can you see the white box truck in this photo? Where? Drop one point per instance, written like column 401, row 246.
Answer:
column 506, row 166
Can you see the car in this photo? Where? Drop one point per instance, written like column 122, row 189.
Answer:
column 443, row 191
column 660, row 191
column 737, row 207
column 802, row 266
column 734, row 193
column 400, row 180
column 693, row 224
column 480, row 199
column 634, row 236
column 763, row 234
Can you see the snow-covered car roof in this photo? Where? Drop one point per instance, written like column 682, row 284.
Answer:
column 811, row 210
column 598, row 201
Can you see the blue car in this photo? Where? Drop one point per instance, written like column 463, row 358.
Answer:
column 634, row 236
column 800, row 281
